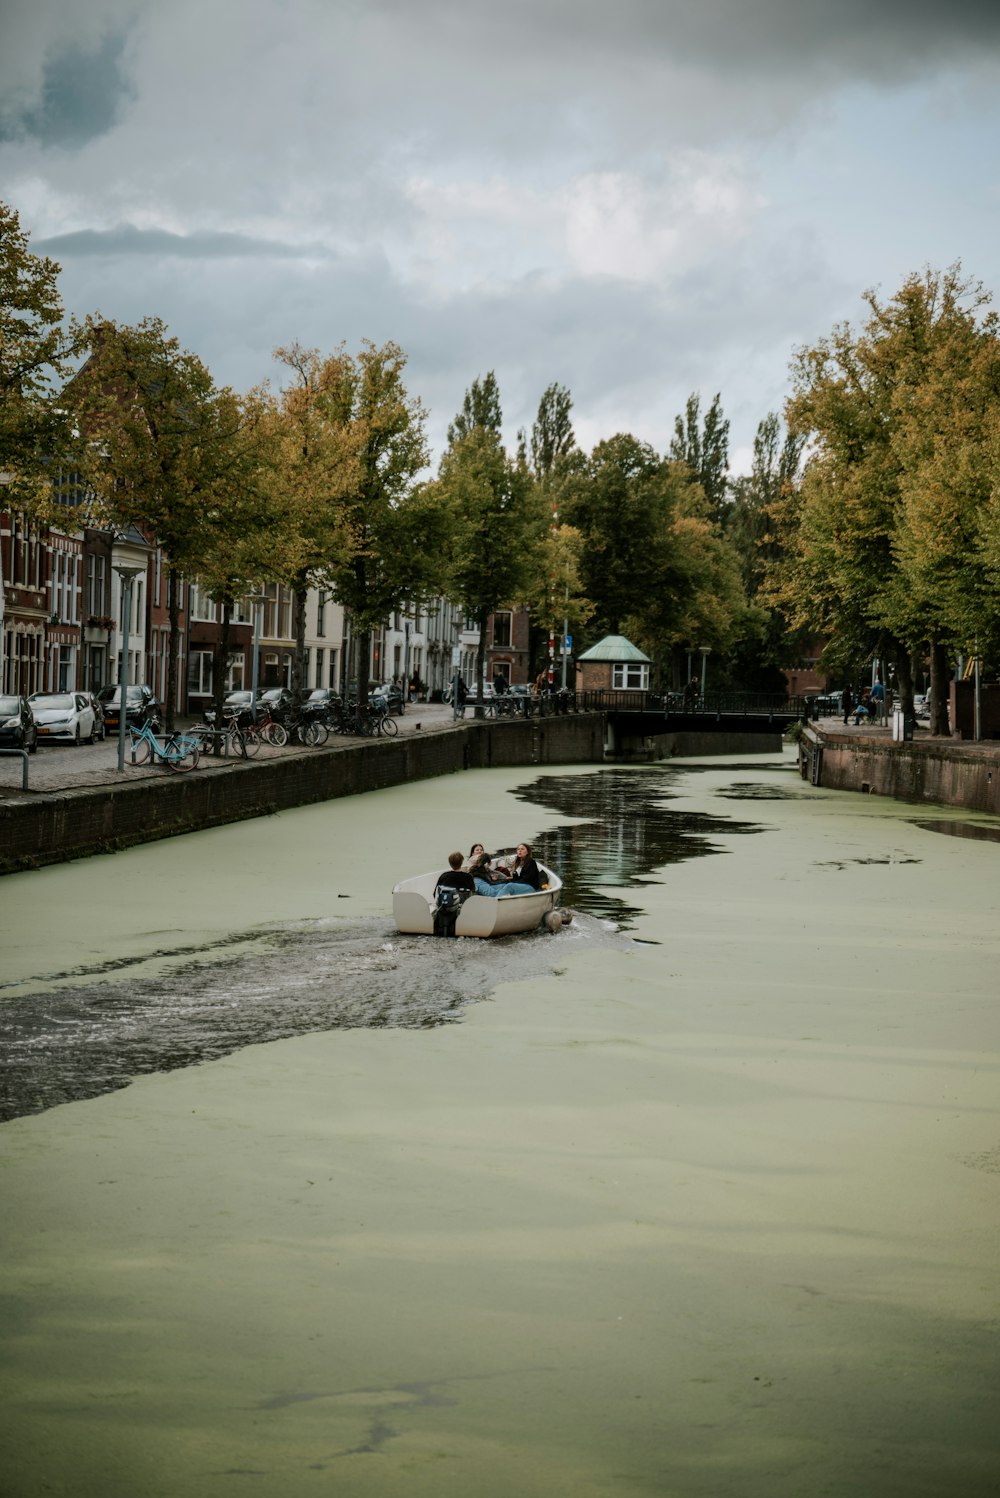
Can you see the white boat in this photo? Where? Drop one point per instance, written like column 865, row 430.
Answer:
column 414, row 908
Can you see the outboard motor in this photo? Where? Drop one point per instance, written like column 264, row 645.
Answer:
column 447, row 904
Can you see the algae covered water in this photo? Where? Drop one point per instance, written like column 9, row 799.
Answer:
column 698, row 1197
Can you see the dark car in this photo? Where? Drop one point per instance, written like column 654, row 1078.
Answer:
column 279, row 699
column 141, row 707
column 388, row 693
column 18, row 729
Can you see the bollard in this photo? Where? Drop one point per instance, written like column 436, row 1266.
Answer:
column 24, row 764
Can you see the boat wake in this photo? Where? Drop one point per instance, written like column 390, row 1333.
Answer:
column 91, row 1036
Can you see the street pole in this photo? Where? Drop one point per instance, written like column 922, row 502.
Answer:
column 126, row 574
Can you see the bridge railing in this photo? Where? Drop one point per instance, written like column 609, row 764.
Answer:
column 731, row 704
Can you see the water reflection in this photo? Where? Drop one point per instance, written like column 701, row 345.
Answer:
column 954, row 828
column 627, row 834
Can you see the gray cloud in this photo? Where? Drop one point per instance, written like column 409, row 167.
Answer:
column 127, row 240
column 81, row 95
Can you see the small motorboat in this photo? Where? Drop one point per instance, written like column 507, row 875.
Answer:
column 417, row 913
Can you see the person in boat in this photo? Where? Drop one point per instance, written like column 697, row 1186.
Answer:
column 477, row 857
column 525, row 869
column 492, row 882
column 455, row 877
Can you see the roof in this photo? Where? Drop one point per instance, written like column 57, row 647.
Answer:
column 614, row 648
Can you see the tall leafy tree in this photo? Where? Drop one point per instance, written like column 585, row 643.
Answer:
column 33, row 350
column 480, row 410
column 768, row 643
column 394, row 530
column 496, row 514
column 315, row 471
column 164, row 447
column 552, row 435
column 623, row 500
column 703, row 445
column 882, row 543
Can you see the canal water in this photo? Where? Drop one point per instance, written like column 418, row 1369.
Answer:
column 698, row 1196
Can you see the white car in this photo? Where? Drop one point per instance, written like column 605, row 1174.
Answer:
column 63, row 715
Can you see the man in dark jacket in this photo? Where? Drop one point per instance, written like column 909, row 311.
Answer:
column 451, row 888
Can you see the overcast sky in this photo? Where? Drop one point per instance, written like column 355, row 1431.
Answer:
column 636, row 198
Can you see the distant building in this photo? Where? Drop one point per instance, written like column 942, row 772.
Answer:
column 613, row 664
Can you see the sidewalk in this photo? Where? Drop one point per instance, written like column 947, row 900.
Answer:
column 868, row 732
column 60, row 767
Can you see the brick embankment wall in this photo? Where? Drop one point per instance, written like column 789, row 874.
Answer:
column 61, row 825
column 947, row 774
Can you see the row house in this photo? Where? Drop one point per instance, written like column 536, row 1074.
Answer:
column 61, row 625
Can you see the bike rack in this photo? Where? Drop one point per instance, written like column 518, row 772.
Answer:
column 24, row 765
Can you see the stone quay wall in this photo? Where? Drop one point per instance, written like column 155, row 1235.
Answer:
column 57, row 826
column 947, row 774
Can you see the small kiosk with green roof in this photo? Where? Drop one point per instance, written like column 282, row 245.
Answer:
column 613, row 664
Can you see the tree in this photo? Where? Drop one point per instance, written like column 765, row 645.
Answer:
column 705, row 450
column 165, row 448
column 623, row 501
column 394, row 531
column 768, row 642
column 883, row 544
column 315, row 470
column 496, row 514
column 552, row 436
column 480, row 410
column 32, row 364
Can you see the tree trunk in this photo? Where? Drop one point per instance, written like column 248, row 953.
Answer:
column 904, row 677
column 174, row 640
column 939, row 690
column 299, row 594
column 363, row 639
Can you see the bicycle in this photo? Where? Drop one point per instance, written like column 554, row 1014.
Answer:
column 180, row 750
column 233, row 738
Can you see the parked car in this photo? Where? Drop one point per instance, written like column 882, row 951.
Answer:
column 18, row 729
column 279, row 699
column 63, row 715
column 141, row 706
column 389, row 694
column 319, row 700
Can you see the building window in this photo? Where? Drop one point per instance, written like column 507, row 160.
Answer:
column 631, row 677
column 501, row 631
column 320, row 653
column 200, row 673
column 321, row 614
column 332, row 670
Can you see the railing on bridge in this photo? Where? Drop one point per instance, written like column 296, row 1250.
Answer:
column 606, row 700
column 716, row 704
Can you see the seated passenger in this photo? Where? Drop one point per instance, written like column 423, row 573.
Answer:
column 525, row 869
column 455, row 877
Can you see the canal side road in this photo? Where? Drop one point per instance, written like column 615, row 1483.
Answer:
column 61, row 767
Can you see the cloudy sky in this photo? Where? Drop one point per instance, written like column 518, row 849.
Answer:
column 637, row 198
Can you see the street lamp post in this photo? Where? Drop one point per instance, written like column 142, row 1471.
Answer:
column 706, row 651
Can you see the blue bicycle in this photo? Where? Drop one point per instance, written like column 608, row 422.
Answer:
column 178, row 751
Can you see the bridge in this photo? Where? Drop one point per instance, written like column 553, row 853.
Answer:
column 642, row 714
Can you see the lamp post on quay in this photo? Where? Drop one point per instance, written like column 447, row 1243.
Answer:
column 706, row 651
column 130, row 559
